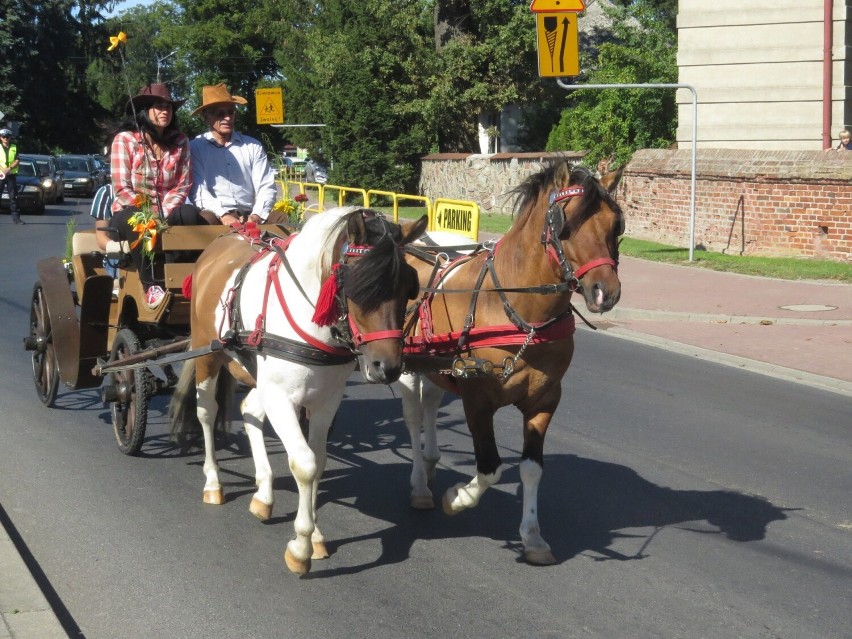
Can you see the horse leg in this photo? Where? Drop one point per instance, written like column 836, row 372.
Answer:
column 284, row 418
column 320, row 424
column 206, row 410
column 253, row 416
column 420, row 402
column 536, row 549
column 479, row 413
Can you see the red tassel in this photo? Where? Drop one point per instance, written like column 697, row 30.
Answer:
column 186, row 288
column 326, row 312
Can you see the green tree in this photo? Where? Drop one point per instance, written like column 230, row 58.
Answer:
column 47, row 45
column 358, row 68
column 641, row 49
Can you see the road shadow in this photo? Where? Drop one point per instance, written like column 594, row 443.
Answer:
column 584, row 504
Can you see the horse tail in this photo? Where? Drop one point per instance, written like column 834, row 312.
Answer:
column 183, row 417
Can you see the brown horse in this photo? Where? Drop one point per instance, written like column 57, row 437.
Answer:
column 289, row 320
column 498, row 327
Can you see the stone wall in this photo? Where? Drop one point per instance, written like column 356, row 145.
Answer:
column 771, row 203
column 484, row 179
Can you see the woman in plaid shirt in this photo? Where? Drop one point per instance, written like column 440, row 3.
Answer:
column 149, row 159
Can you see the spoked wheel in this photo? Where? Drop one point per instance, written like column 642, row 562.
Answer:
column 132, row 391
column 40, row 341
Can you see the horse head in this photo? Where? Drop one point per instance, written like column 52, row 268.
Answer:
column 376, row 285
column 581, row 231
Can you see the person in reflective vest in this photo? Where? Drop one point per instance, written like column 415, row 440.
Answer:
column 9, row 172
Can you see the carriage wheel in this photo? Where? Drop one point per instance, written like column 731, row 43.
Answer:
column 45, row 364
column 133, row 389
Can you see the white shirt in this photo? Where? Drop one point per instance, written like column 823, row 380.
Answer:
column 235, row 176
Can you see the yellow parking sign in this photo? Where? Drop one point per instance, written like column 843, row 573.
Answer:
column 269, row 105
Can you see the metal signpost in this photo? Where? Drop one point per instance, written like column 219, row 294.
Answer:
column 558, row 56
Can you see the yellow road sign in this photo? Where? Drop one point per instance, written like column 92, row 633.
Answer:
column 552, row 6
column 558, row 44
column 269, row 106
column 457, row 216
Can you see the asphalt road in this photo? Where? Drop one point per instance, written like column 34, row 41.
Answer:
column 681, row 498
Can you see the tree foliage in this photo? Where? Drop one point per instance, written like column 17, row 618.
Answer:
column 613, row 123
column 390, row 82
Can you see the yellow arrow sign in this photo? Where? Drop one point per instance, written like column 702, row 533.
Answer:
column 555, row 6
column 558, row 45
column 269, row 106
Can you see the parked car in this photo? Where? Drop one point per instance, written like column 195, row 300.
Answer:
column 51, row 177
column 103, row 165
column 315, row 171
column 82, row 174
column 30, row 190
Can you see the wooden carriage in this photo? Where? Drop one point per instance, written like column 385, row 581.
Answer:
column 84, row 325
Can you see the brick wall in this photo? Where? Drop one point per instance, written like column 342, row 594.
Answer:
column 771, row 203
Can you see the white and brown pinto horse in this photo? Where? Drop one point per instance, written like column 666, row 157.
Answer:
column 501, row 320
column 289, row 320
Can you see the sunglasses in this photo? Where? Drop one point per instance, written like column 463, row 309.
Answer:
column 222, row 113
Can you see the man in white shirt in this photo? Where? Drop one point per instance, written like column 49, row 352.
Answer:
column 232, row 179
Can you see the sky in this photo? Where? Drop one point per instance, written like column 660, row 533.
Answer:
column 127, row 4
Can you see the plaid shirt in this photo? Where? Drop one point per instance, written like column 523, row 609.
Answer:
column 134, row 170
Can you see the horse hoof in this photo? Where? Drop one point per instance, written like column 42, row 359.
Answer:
column 296, row 566
column 320, row 551
column 539, row 557
column 422, row 503
column 260, row 510
column 448, row 507
column 215, row 497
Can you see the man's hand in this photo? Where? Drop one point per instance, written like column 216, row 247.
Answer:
column 229, row 218
column 255, row 218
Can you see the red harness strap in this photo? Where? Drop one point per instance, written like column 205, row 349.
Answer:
column 505, row 335
column 274, row 265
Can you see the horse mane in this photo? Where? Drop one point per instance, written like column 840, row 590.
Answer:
column 373, row 278
column 542, row 183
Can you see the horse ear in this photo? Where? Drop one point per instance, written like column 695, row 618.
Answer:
column 412, row 231
column 356, row 227
column 610, row 180
column 562, row 175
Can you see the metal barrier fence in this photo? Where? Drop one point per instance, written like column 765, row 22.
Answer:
column 456, row 216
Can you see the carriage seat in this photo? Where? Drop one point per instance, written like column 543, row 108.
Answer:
column 84, row 242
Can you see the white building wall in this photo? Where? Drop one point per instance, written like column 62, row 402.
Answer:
column 757, row 67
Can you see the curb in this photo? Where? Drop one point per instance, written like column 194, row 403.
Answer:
column 773, row 370
column 619, row 313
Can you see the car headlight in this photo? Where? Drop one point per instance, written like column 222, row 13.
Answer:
column 83, row 180
column 48, row 183
column 30, row 188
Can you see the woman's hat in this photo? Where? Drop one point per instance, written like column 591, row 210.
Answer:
column 5, row 133
column 151, row 94
column 217, row 94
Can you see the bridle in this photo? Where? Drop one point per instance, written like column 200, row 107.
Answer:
column 554, row 224
column 353, row 335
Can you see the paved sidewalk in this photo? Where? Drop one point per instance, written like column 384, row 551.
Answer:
column 796, row 330
column 24, row 611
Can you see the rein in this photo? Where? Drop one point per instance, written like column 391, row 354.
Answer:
column 313, row 350
column 519, row 331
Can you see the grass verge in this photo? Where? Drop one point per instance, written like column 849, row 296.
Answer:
column 787, row 268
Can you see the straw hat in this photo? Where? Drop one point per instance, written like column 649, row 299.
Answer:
column 151, row 94
column 217, row 94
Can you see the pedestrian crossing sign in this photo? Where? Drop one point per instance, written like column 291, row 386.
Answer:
column 269, row 105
